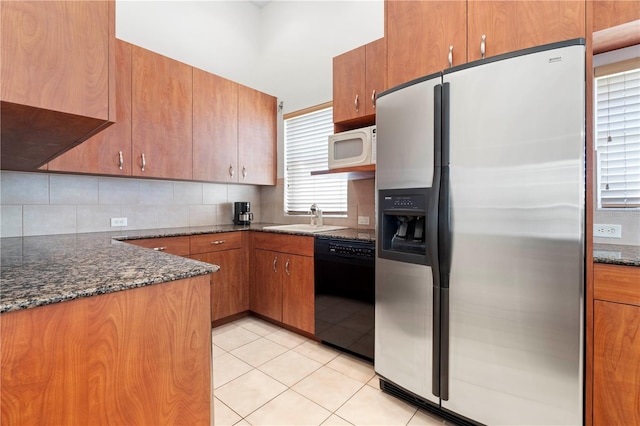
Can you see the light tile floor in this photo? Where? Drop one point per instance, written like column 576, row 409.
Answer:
column 266, row 375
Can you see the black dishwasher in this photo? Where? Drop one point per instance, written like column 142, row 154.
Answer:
column 345, row 294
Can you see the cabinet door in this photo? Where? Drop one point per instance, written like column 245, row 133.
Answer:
column 55, row 56
column 375, row 73
column 298, row 292
column 256, row 137
column 108, row 152
column 229, row 286
column 266, row 285
column 616, row 373
column 215, row 128
column 161, row 113
column 419, row 37
column 349, row 85
column 611, row 13
column 513, row 25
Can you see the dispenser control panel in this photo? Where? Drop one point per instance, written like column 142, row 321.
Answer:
column 404, row 202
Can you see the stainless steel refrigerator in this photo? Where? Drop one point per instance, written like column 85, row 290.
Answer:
column 480, row 261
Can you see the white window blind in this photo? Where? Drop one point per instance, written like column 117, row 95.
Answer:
column 306, row 150
column 618, row 138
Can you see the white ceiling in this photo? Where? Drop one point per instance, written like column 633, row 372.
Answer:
column 259, row 3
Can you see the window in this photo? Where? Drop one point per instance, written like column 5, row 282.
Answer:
column 306, row 150
column 617, row 104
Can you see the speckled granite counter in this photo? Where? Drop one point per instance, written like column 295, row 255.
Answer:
column 37, row 271
column 616, row 254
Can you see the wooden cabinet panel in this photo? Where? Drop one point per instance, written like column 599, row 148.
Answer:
column 349, row 85
column 173, row 245
column 101, row 153
column 298, row 304
column 419, row 34
column 55, row 56
column 57, row 66
column 616, row 376
column 230, row 285
column 357, row 76
column 216, row 242
column 375, row 73
column 256, row 137
column 266, row 284
column 215, row 128
column 111, row 359
column 283, row 243
column 514, row 25
column 611, row 13
column 161, row 115
column 617, row 283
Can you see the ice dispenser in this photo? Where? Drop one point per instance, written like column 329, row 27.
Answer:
column 405, row 221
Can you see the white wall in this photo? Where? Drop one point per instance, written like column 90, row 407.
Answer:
column 284, row 49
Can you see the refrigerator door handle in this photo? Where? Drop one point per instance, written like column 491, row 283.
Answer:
column 444, row 207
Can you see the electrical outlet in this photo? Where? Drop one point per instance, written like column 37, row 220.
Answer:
column 118, row 221
column 363, row 220
column 607, row 231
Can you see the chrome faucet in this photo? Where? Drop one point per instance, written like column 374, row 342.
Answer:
column 316, row 215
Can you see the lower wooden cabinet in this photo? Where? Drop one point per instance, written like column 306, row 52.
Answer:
column 283, row 282
column 269, row 274
column 139, row 356
column 230, row 285
column 616, row 351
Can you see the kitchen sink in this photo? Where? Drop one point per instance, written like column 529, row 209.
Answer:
column 304, row 228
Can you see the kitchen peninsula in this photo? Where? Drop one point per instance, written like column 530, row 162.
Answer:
column 97, row 331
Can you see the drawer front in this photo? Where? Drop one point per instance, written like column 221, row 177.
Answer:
column 173, row 245
column 617, row 283
column 216, row 242
column 283, row 243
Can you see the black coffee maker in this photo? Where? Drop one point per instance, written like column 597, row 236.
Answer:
column 242, row 213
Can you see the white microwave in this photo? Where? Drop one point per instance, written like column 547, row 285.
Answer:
column 353, row 148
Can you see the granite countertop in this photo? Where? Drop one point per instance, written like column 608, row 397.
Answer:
column 616, row 254
column 37, row 271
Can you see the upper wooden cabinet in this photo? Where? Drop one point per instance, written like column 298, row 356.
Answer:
column 58, row 83
column 611, row 13
column 421, row 34
column 108, row 152
column 161, row 114
column 256, row 137
column 358, row 75
column 513, row 25
column 215, row 128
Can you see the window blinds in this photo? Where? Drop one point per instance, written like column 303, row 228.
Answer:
column 618, row 138
column 306, row 150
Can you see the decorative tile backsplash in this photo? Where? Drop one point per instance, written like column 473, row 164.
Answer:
column 45, row 204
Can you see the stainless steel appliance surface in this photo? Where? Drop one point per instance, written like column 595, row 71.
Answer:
column 481, row 318
column 345, row 294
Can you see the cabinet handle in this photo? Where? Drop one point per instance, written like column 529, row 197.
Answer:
column 231, row 171
column 483, row 46
column 373, row 98
column 159, row 248
column 144, row 162
column 121, row 160
column 450, row 56
column 275, row 262
column 244, row 172
column 215, row 243
column 357, row 104
column 286, row 267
